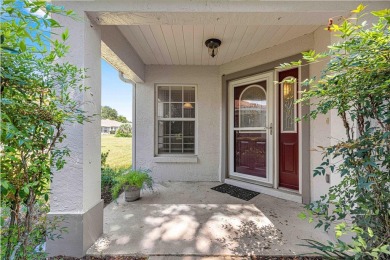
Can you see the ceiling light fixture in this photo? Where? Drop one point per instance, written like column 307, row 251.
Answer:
column 213, row 44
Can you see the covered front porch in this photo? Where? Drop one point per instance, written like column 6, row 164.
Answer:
column 188, row 220
column 159, row 47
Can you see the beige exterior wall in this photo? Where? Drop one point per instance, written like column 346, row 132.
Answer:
column 287, row 49
column 209, row 115
column 75, row 189
column 208, row 125
column 320, row 127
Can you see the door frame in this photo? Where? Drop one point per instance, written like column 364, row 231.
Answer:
column 277, row 99
column 269, row 77
column 306, row 143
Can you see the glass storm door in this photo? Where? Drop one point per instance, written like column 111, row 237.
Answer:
column 251, row 128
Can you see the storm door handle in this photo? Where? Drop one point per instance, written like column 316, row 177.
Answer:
column 270, row 128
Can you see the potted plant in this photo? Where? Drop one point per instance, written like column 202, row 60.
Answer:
column 132, row 182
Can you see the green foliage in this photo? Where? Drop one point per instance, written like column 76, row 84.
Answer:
column 122, row 119
column 355, row 83
column 103, row 159
column 36, row 103
column 124, row 131
column 137, row 178
column 108, row 180
column 111, row 113
column 109, row 176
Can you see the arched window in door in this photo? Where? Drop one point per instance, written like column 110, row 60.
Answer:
column 253, row 107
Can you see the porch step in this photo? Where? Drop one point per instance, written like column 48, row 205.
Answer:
column 184, row 257
column 232, row 258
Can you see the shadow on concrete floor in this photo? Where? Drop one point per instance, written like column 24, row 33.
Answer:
column 184, row 220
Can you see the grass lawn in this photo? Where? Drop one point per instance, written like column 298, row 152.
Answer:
column 120, row 151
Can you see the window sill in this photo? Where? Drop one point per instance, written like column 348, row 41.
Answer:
column 183, row 159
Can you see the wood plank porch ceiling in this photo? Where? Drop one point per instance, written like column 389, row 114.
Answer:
column 184, row 44
column 178, row 38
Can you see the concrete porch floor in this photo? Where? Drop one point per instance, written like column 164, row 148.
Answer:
column 188, row 220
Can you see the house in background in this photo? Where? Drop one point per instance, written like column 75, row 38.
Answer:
column 199, row 117
column 109, row 126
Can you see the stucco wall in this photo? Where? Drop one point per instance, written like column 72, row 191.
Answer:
column 286, row 49
column 210, row 123
column 76, row 188
column 320, row 127
column 208, row 81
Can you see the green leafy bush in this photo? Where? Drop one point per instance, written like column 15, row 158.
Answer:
column 355, row 83
column 103, row 159
column 109, row 175
column 108, row 180
column 137, row 178
column 36, row 103
column 123, row 131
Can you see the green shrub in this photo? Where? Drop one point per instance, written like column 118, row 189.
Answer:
column 108, row 178
column 103, row 158
column 124, row 131
column 109, row 175
column 37, row 102
column 356, row 85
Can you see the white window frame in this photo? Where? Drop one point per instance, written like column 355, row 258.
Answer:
column 156, row 121
column 295, row 105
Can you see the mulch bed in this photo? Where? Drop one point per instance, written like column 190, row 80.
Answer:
column 106, row 195
column 286, row 258
column 237, row 192
column 99, row 258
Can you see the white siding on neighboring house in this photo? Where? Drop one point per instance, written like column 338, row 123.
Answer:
column 109, row 126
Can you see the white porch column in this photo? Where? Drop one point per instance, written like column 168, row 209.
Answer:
column 76, row 189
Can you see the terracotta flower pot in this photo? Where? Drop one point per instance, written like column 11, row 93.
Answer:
column 132, row 193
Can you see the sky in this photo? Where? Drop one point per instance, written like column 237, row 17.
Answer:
column 116, row 93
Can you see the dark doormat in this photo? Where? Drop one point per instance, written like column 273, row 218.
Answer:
column 237, row 192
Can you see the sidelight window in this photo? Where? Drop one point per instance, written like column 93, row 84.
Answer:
column 288, row 106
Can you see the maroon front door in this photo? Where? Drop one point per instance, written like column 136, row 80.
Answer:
column 250, row 119
column 288, row 130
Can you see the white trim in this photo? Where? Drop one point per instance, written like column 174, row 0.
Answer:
column 300, row 166
column 134, row 129
column 300, row 140
column 294, row 105
column 250, row 129
column 176, row 159
column 276, row 132
column 157, row 119
column 268, row 77
column 266, row 190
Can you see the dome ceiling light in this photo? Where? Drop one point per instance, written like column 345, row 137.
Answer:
column 213, row 44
